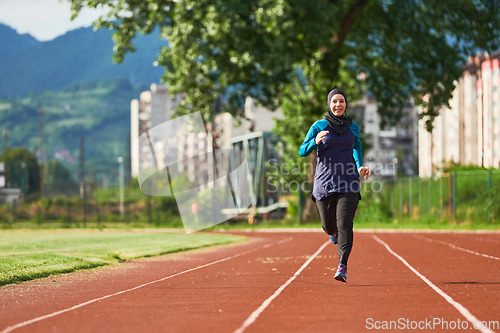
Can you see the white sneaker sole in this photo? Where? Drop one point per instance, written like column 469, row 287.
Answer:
column 340, row 278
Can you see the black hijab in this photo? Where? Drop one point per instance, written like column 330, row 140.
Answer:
column 339, row 124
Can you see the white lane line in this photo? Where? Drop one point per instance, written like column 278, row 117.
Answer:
column 456, row 247
column 268, row 301
column 466, row 313
column 32, row 321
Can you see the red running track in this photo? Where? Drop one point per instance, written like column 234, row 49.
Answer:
column 273, row 283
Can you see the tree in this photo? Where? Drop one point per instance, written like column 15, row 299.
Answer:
column 405, row 48
column 294, row 51
column 58, row 179
column 15, row 157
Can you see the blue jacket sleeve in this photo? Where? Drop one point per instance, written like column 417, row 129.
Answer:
column 357, row 152
column 310, row 141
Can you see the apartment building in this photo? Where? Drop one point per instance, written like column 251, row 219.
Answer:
column 256, row 119
column 151, row 109
column 469, row 131
column 188, row 148
column 393, row 149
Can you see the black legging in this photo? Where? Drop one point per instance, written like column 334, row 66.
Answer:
column 337, row 214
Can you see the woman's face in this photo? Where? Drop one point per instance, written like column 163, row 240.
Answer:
column 337, row 105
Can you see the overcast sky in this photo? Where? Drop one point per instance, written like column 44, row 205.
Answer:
column 43, row 19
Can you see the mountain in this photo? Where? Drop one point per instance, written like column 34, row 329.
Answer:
column 98, row 110
column 12, row 43
column 78, row 56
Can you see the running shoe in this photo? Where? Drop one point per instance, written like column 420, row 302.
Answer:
column 341, row 274
column 335, row 238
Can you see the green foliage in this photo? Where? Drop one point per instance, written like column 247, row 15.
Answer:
column 489, row 201
column 290, row 53
column 15, row 157
column 46, row 203
column 169, row 205
column 301, row 108
column 182, row 182
column 18, row 175
column 452, row 166
column 98, row 110
column 372, row 208
column 404, row 48
column 470, row 185
column 431, row 201
column 293, row 206
column 58, row 179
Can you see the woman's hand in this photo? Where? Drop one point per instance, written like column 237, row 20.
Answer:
column 321, row 135
column 364, row 171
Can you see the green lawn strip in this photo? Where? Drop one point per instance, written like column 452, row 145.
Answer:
column 23, row 267
column 427, row 224
column 406, row 224
column 89, row 225
column 28, row 254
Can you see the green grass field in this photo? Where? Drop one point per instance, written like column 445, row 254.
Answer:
column 31, row 254
column 361, row 222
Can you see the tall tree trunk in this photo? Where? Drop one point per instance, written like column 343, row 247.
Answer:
column 310, row 213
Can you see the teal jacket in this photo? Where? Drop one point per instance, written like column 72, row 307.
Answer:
column 310, row 141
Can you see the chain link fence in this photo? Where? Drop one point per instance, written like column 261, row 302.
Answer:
column 456, row 197
column 99, row 208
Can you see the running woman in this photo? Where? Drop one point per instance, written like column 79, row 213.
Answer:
column 336, row 181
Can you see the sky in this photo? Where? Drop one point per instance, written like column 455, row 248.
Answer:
column 44, row 19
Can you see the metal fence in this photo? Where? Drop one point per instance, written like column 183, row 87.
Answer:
column 103, row 208
column 464, row 196
column 457, row 197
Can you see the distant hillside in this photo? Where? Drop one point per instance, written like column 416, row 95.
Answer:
column 98, row 110
column 78, row 56
column 12, row 43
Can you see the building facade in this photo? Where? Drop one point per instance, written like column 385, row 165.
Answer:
column 153, row 108
column 188, row 148
column 393, row 149
column 467, row 133
column 256, row 119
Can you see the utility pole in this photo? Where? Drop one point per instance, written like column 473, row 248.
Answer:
column 6, row 165
column 83, row 192
column 41, row 112
column 6, row 135
column 128, row 161
column 81, row 171
column 217, row 109
column 120, row 172
column 90, row 183
column 395, row 163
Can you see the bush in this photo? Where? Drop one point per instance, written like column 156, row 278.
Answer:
column 22, row 213
column 169, row 205
column 470, row 185
column 370, row 210
column 293, row 206
column 490, row 204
